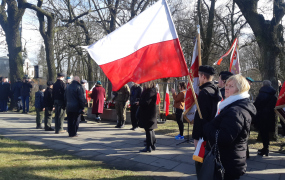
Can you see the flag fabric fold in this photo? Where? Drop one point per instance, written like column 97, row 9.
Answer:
column 166, row 101
column 144, row 49
column 218, row 62
column 190, row 106
column 280, row 104
column 157, row 95
column 234, row 64
column 199, row 151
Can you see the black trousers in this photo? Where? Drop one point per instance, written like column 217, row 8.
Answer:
column 48, row 117
column 73, row 123
column 134, row 120
column 264, row 134
column 179, row 119
column 283, row 127
column 150, row 137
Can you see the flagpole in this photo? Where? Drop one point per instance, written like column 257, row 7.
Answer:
column 194, row 95
column 199, row 46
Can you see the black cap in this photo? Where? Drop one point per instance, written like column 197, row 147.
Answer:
column 207, row 69
column 49, row 83
column 41, row 87
column 60, row 75
column 225, row 75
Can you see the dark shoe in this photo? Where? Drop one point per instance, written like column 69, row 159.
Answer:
column 153, row 147
column 117, row 126
column 146, row 149
column 49, row 129
column 263, row 152
column 133, row 128
column 23, row 112
column 39, row 127
column 83, row 121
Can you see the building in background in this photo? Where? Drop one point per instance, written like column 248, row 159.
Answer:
column 4, row 66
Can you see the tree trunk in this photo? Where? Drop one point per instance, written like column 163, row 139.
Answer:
column 15, row 54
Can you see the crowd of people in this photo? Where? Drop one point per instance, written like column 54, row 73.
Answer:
column 227, row 111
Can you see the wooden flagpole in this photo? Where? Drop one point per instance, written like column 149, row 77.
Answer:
column 199, row 45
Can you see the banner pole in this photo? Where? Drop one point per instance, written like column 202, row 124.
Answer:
column 194, row 95
column 199, row 46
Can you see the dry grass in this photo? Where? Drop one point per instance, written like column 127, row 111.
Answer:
column 22, row 161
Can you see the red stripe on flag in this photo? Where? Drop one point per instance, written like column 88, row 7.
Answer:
column 167, row 103
column 155, row 61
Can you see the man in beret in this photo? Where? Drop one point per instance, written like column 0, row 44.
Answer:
column 48, row 104
column 223, row 77
column 208, row 99
column 58, row 98
column 39, row 105
column 68, row 81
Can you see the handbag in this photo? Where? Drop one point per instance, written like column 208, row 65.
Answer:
column 212, row 168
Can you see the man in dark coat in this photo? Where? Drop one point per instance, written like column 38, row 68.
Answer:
column 48, row 104
column 58, row 98
column 265, row 118
column 136, row 92
column 75, row 101
column 208, row 99
column 5, row 91
column 25, row 94
column 16, row 90
column 223, row 76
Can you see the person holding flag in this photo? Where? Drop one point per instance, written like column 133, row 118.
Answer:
column 208, row 99
column 179, row 101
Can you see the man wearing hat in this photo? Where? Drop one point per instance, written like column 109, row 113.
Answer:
column 25, row 93
column 39, row 105
column 68, row 81
column 223, row 77
column 58, row 97
column 208, row 99
column 48, row 104
column 16, row 90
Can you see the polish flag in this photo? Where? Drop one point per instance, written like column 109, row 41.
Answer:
column 166, row 101
column 190, row 106
column 234, row 65
column 144, row 49
column 280, row 104
column 157, row 95
column 218, row 62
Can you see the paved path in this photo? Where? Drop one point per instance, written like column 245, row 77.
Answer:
column 120, row 148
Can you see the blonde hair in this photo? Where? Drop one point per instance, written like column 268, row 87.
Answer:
column 241, row 83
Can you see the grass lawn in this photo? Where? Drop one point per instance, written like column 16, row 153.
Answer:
column 170, row 128
column 20, row 160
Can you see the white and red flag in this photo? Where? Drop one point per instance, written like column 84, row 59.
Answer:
column 234, row 63
column 166, row 101
column 190, row 106
column 280, row 105
column 144, row 49
column 157, row 95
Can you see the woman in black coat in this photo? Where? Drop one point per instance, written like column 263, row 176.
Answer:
column 233, row 121
column 265, row 118
column 147, row 115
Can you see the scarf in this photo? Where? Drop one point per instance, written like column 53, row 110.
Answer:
column 230, row 100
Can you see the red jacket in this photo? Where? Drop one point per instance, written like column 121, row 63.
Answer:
column 98, row 95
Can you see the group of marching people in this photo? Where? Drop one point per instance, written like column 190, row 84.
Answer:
column 227, row 114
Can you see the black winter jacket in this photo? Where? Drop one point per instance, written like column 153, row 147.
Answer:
column 265, row 103
column 234, row 125
column 208, row 99
column 58, row 90
column 136, row 92
column 39, row 100
column 147, row 109
column 48, row 100
column 5, row 91
column 74, row 97
column 223, row 91
column 26, row 88
column 16, row 89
